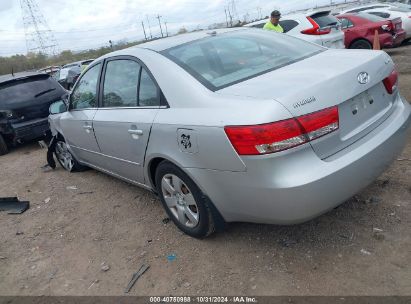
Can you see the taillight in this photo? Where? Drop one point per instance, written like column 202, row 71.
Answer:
column 315, row 30
column 320, row 123
column 282, row 135
column 387, row 27
column 391, row 82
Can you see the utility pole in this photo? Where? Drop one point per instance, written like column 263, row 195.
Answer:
column 165, row 23
column 149, row 27
column 231, row 17
column 259, row 14
column 159, row 23
column 226, row 18
column 144, row 29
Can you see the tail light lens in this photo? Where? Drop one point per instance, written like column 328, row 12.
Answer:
column 387, row 27
column 315, row 30
column 282, row 135
column 391, row 82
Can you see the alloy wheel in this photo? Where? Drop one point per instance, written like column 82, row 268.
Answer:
column 180, row 200
column 64, row 156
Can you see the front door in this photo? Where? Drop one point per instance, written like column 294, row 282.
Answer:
column 122, row 124
column 77, row 123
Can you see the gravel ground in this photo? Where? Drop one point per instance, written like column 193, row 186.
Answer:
column 89, row 239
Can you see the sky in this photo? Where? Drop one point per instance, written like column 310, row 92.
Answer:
column 84, row 24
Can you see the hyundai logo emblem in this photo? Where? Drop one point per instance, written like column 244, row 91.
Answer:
column 363, row 78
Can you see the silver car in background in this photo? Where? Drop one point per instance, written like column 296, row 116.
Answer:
column 318, row 27
column 236, row 125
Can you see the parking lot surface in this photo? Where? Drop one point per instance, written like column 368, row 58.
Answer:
column 87, row 233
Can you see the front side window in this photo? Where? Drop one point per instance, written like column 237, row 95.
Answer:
column 85, row 93
column 120, row 83
column 229, row 58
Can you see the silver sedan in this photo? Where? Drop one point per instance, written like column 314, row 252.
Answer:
column 236, row 125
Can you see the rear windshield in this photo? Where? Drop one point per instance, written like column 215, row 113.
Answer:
column 366, row 8
column 222, row 60
column 401, row 9
column 324, row 19
column 370, row 17
column 29, row 88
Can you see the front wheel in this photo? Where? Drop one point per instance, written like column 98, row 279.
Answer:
column 65, row 158
column 183, row 201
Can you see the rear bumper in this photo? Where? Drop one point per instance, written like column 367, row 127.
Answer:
column 295, row 186
column 386, row 40
column 399, row 37
column 29, row 130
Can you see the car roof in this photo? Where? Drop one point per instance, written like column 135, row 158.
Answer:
column 169, row 42
column 76, row 63
column 20, row 75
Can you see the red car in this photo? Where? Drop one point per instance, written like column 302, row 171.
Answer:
column 359, row 29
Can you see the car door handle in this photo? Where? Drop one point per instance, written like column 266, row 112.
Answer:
column 135, row 132
column 88, row 127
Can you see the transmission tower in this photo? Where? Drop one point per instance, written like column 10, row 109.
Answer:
column 39, row 37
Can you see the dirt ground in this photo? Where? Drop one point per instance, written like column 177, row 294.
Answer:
column 62, row 244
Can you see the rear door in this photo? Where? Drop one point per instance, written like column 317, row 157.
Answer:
column 77, row 123
column 335, row 37
column 130, row 100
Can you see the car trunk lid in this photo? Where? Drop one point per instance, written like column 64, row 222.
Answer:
column 321, row 82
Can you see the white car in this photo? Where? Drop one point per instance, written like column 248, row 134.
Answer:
column 388, row 11
column 318, row 27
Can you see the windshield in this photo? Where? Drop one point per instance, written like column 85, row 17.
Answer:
column 222, row 60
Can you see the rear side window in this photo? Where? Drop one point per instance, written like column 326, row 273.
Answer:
column 226, row 59
column 27, row 89
column 324, row 19
column 288, row 25
column 149, row 94
column 120, row 83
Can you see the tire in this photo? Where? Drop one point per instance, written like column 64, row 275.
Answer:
column 184, row 202
column 66, row 159
column 361, row 44
column 3, row 146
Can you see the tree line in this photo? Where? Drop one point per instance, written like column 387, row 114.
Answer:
column 35, row 61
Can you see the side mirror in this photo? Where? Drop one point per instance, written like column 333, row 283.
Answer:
column 58, row 107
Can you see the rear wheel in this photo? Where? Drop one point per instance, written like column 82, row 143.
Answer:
column 183, row 201
column 3, row 146
column 65, row 158
column 361, row 44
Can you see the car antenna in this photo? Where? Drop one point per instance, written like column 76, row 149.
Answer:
column 12, row 72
